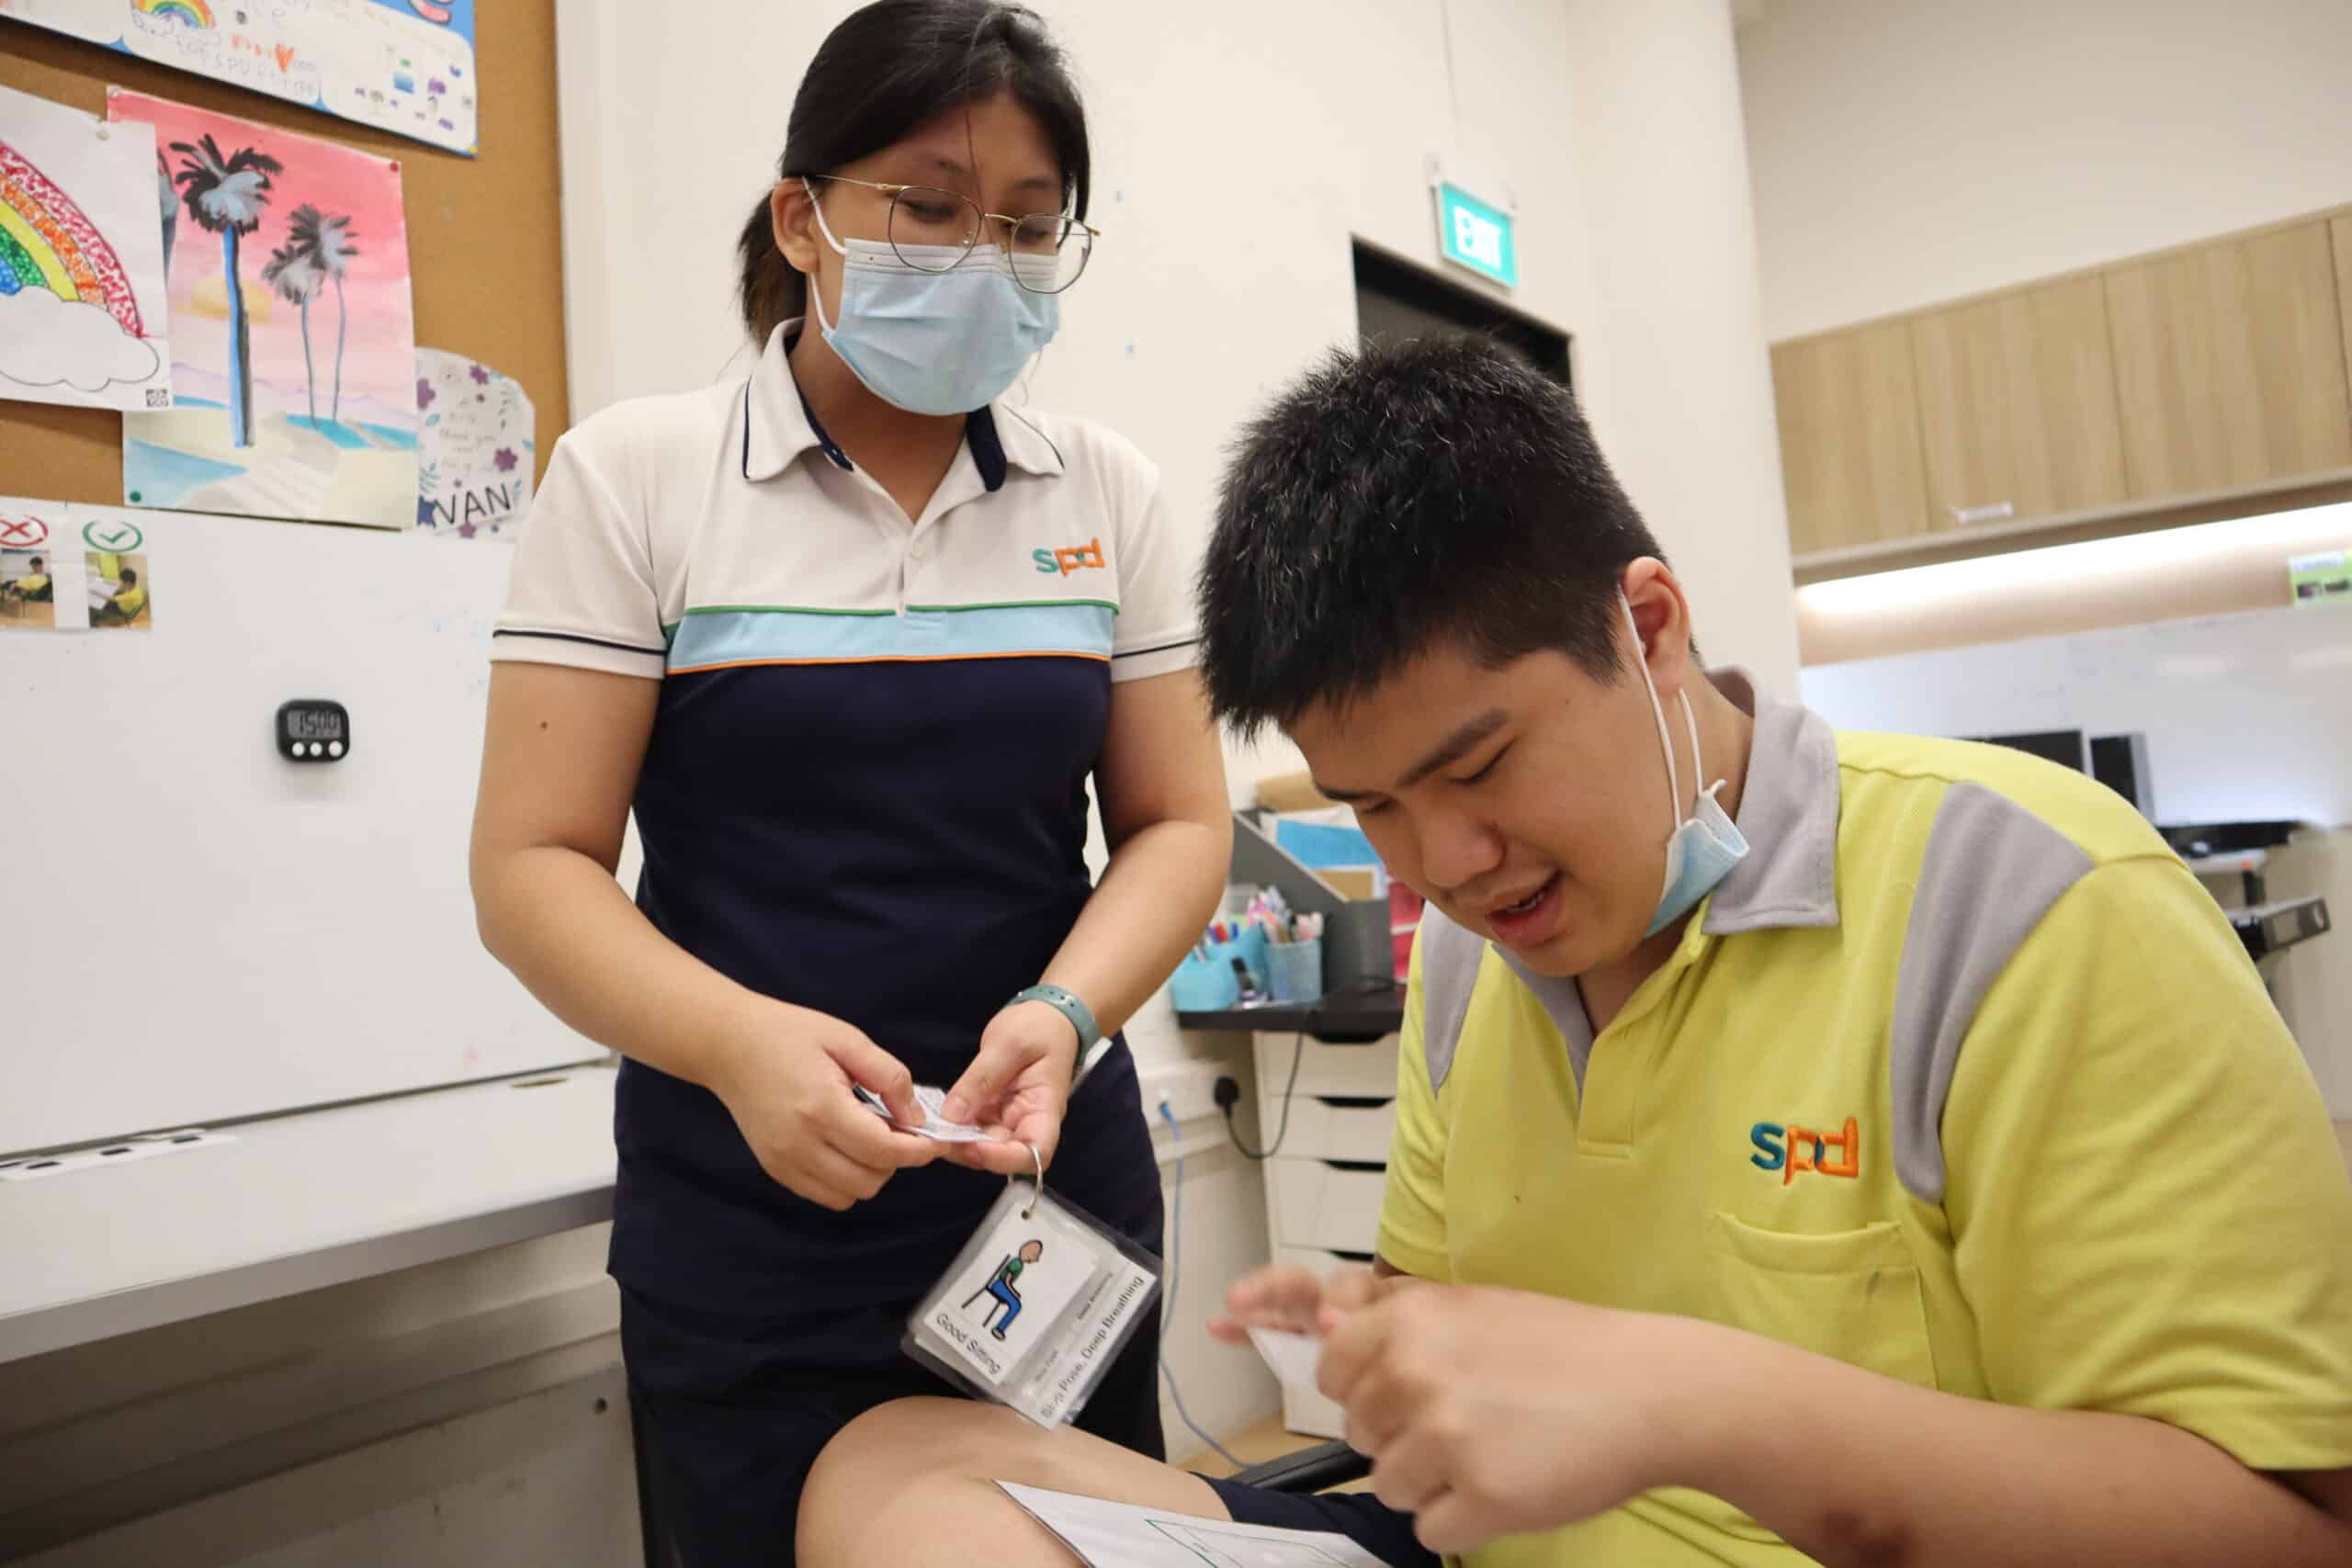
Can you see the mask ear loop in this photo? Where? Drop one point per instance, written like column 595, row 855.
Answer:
column 816, row 293
column 1037, row 1195
column 1698, row 767
column 1657, row 712
column 823, row 227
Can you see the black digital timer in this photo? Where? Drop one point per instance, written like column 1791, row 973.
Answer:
column 313, row 729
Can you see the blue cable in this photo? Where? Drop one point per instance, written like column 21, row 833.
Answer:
column 1168, row 1304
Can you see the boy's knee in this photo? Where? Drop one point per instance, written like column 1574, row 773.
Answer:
column 910, row 1475
column 919, row 1436
column 913, row 1484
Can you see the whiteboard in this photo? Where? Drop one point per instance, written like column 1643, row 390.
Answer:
column 193, row 929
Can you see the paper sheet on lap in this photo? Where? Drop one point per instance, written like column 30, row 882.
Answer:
column 1119, row 1535
column 1292, row 1357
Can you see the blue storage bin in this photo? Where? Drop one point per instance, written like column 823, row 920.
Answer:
column 1250, row 947
column 1204, row 985
column 1209, row 985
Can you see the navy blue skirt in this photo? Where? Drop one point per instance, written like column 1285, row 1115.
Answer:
column 732, row 1407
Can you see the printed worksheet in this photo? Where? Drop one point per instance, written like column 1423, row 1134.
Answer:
column 1119, row 1535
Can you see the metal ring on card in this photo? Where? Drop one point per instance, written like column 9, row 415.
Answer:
column 1039, row 1160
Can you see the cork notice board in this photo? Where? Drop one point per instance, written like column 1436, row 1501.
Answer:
column 485, row 234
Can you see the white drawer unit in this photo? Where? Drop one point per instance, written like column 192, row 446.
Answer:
column 1342, row 1072
column 1335, row 1207
column 1354, row 1130
column 1304, row 1410
column 1325, row 1183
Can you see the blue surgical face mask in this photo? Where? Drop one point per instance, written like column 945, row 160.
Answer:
column 933, row 342
column 1704, row 846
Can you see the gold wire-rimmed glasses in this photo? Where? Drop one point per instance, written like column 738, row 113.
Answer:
column 1047, row 251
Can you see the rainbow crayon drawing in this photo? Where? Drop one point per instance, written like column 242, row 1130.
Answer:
column 82, row 313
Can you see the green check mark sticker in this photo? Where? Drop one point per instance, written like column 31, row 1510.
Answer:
column 116, row 539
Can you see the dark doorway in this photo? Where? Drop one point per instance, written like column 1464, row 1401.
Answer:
column 1395, row 299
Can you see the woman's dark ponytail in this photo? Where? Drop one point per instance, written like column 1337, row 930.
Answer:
column 771, row 289
column 887, row 68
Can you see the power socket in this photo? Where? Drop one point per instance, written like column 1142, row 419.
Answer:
column 1227, row 1092
column 1180, row 1089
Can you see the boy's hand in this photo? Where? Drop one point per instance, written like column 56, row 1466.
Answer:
column 1489, row 1413
column 1290, row 1298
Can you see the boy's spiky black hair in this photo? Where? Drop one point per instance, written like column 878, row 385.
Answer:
column 1396, row 497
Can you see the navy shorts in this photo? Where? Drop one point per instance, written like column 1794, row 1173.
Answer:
column 1362, row 1518
column 729, row 1418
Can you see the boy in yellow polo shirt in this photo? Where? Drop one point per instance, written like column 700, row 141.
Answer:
column 1860, row 1148
column 35, row 587
column 122, row 607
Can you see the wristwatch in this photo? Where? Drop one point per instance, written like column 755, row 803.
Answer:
column 1091, row 1045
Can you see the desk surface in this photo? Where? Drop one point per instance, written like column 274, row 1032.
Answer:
column 1351, row 1019
column 302, row 1202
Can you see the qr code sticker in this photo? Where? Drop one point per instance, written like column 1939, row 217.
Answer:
column 159, row 396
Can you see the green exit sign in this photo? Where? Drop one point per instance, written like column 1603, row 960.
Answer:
column 1476, row 234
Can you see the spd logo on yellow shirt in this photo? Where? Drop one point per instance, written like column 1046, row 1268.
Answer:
column 1791, row 1149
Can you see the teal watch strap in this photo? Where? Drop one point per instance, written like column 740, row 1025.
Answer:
column 1092, row 1046
column 1065, row 1002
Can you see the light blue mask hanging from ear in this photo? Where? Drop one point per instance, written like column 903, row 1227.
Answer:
column 1704, row 846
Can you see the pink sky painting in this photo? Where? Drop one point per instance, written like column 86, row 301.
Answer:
column 379, row 354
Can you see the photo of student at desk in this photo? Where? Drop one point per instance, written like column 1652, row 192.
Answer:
column 118, row 593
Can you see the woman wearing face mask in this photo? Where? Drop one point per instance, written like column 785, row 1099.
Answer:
column 851, row 635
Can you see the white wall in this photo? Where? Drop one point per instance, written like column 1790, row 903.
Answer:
column 2245, row 721
column 1238, row 146
column 1906, row 152
column 1681, row 393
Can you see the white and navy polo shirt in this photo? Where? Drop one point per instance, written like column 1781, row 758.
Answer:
column 865, row 790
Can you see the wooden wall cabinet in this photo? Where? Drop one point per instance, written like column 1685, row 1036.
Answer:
column 2017, row 407
column 2229, row 358
column 1849, row 438
column 2208, row 381
column 2340, row 232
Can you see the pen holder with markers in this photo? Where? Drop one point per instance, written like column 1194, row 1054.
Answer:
column 1295, row 971
column 1205, row 981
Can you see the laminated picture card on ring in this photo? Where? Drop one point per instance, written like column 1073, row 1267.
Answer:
column 1037, row 1307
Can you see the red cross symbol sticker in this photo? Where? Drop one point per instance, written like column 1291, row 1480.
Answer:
column 23, row 532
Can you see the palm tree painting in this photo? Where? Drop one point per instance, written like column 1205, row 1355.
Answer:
column 168, row 199
column 260, row 424
column 296, row 277
column 225, row 195
column 326, row 240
